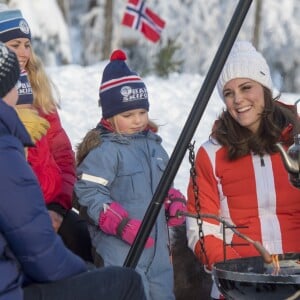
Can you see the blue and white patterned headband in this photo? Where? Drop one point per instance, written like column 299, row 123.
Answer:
column 13, row 26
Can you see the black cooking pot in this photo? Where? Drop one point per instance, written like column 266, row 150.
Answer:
column 250, row 278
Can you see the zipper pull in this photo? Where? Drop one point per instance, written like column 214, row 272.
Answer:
column 262, row 162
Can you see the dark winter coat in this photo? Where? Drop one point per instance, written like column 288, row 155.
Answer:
column 30, row 251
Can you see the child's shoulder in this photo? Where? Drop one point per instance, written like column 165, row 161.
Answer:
column 90, row 141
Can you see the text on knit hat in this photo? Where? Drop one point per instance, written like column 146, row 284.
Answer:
column 121, row 89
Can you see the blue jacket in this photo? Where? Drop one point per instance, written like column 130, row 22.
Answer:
column 30, row 250
column 127, row 169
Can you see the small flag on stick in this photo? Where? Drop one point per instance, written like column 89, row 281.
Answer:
column 138, row 16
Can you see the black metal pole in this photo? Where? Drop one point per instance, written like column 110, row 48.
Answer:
column 187, row 133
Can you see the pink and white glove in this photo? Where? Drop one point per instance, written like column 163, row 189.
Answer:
column 114, row 220
column 174, row 202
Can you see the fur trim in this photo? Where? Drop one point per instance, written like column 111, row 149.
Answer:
column 89, row 142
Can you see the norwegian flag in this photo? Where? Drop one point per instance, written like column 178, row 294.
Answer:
column 138, row 16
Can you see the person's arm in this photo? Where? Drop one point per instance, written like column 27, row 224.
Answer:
column 41, row 160
column 95, row 176
column 46, row 169
column 26, row 224
column 174, row 202
column 209, row 197
column 50, row 179
column 63, row 154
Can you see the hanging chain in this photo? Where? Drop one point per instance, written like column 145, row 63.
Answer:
column 193, row 174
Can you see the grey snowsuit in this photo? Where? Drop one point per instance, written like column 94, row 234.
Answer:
column 127, row 169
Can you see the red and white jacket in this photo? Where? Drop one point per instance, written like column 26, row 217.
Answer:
column 252, row 192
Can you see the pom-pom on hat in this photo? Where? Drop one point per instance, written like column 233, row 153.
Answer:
column 12, row 25
column 244, row 61
column 24, row 89
column 9, row 70
column 121, row 89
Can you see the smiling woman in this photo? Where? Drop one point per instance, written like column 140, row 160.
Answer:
column 244, row 99
column 239, row 172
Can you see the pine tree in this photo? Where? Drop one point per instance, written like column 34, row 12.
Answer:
column 165, row 63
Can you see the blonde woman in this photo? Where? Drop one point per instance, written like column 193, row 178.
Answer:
column 36, row 93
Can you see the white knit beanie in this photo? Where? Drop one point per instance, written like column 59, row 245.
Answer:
column 245, row 62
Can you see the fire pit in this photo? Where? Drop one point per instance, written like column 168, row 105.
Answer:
column 251, row 278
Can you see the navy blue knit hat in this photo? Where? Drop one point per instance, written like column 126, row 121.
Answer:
column 24, row 89
column 121, row 89
column 13, row 25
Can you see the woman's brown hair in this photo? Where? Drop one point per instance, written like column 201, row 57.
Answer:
column 240, row 141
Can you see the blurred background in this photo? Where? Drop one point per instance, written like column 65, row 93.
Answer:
column 85, row 32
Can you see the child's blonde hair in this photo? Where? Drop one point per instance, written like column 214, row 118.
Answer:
column 42, row 86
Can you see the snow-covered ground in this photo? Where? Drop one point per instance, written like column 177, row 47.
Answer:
column 171, row 101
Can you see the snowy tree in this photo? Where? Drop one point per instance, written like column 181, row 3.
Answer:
column 50, row 34
column 84, row 32
column 281, row 42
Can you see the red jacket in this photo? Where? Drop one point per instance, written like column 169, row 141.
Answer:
column 250, row 192
column 63, row 155
column 46, row 169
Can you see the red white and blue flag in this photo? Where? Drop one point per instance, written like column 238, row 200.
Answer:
column 138, row 16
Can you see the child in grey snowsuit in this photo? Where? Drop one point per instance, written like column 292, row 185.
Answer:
column 118, row 178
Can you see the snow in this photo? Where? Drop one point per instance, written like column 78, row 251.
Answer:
column 77, row 35
column 171, row 101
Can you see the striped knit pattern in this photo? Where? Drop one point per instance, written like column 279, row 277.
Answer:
column 119, row 81
column 13, row 25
